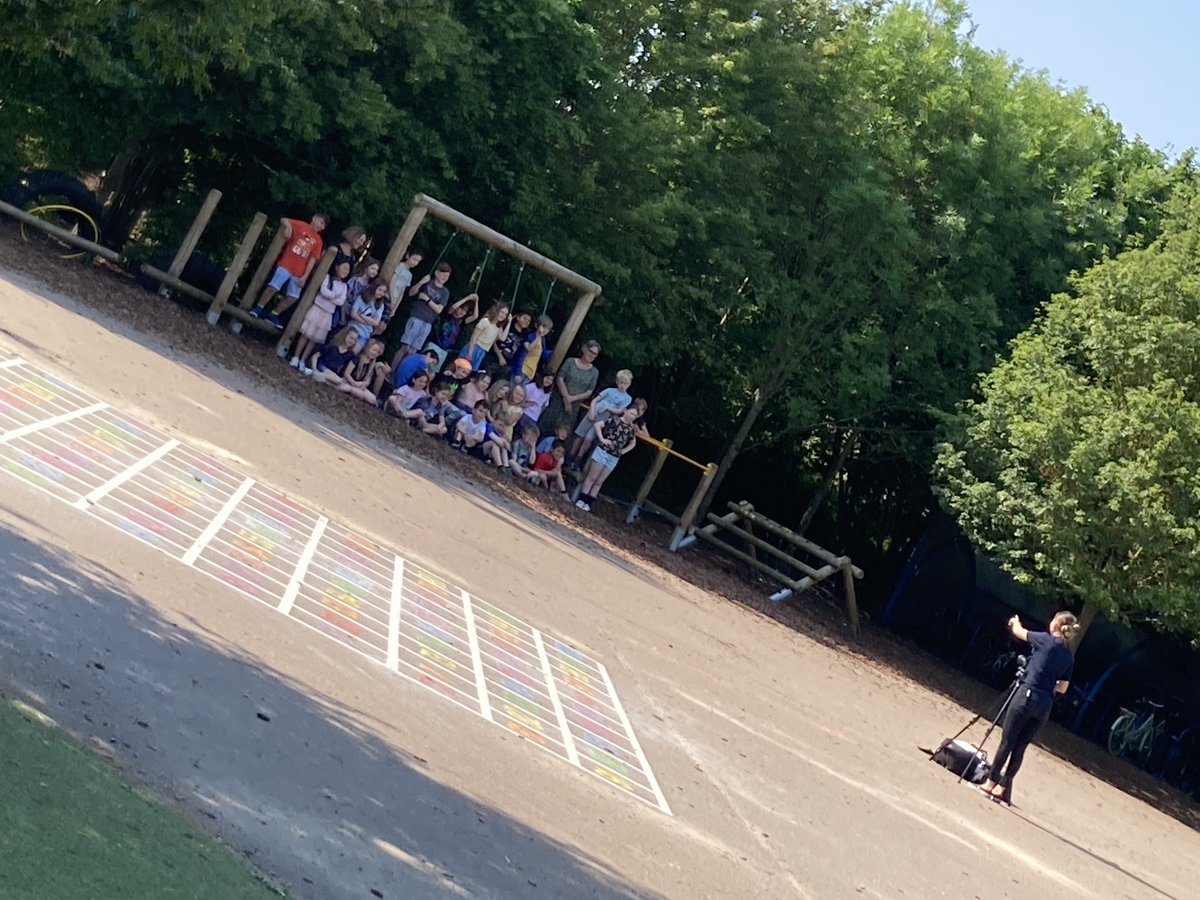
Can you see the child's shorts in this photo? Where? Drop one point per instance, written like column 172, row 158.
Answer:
column 604, row 459
column 285, row 280
column 416, row 333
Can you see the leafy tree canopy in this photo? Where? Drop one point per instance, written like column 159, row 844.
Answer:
column 1076, row 469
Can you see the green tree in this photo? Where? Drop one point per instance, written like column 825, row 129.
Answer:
column 1076, row 470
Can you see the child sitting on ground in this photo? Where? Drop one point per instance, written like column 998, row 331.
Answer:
column 558, row 439
column 358, row 378
column 472, row 432
column 524, row 452
column 318, row 321
column 473, row 391
column 400, row 404
column 330, row 364
column 433, row 419
column 548, row 470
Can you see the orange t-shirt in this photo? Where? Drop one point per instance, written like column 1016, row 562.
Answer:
column 302, row 246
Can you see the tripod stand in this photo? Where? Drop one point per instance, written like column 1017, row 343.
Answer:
column 1012, row 692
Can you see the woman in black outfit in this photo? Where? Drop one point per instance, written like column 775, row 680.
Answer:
column 1047, row 673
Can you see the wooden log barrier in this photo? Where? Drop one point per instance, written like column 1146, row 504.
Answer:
column 190, row 240
column 265, row 267
column 174, row 283
column 652, row 473
column 62, row 234
column 234, row 272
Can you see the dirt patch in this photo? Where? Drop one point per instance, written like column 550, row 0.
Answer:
column 818, row 614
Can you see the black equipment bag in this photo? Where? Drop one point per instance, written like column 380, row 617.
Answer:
column 962, row 759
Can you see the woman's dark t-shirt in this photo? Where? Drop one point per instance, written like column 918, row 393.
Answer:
column 1051, row 661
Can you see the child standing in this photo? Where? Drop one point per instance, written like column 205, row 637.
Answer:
column 400, row 282
column 364, row 273
column 432, row 298
column 366, row 313
column 446, row 332
column 301, row 251
column 532, row 351
column 492, row 327
column 318, row 321
column 614, row 437
column 608, row 402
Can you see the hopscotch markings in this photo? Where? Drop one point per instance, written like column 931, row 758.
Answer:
column 210, row 530
column 172, row 504
column 432, row 638
column 9, row 363
column 347, row 593
column 637, row 747
column 117, row 480
column 34, row 427
column 600, row 734
column 393, row 649
column 568, row 740
column 27, row 396
column 80, row 453
column 272, row 549
column 306, row 555
column 520, row 697
column 485, row 706
column 257, row 550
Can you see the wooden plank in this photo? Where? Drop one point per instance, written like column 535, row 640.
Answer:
column 403, row 241
column 265, row 267
column 60, row 233
column 851, row 599
column 728, row 522
column 775, row 528
column 192, row 238
column 234, row 272
column 567, row 336
column 176, row 284
column 689, row 513
column 505, row 244
column 648, row 481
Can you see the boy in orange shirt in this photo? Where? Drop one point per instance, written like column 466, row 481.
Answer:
column 301, row 252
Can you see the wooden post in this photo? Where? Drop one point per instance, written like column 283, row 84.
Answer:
column 567, row 336
column 689, row 513
column 306, row 301
column 245, row 248
column 660, row 459
column 192, row 238
column 261, row 274
column 851, row 600
column 403, row 241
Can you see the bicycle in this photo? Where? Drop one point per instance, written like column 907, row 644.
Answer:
column 1133, row 734
column 1182, row 768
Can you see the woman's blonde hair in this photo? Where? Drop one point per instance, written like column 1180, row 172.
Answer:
column 1065, row 624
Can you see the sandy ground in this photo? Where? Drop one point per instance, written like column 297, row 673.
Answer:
column 791, row 765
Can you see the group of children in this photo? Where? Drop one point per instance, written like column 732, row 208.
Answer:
column 486, row 395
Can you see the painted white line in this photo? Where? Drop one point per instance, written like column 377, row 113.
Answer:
column 310, row 549
column 393, row 636
column 485, row 704
column 633, row 741
column 568, row 739
column 210, row 531
column 9, row 363
column 50, row 423
column 117, row 480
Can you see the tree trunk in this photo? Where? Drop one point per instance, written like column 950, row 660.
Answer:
column 134, row 182
column 1087, row 615
column 761, row 396
column 849, row 440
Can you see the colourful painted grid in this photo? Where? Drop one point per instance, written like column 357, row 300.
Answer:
column 320, row 573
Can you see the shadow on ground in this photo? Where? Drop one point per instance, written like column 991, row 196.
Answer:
column 314, row 797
